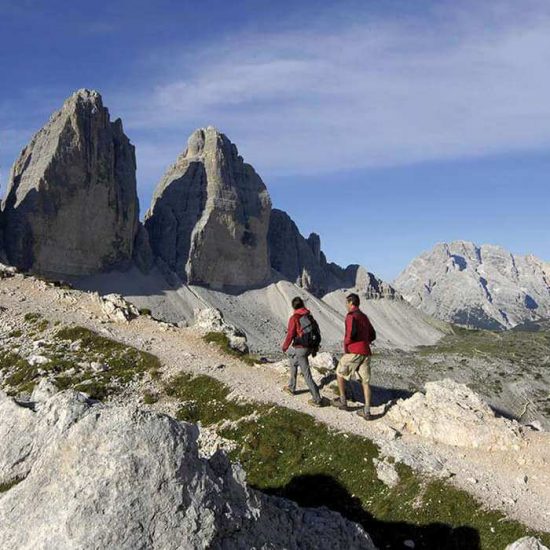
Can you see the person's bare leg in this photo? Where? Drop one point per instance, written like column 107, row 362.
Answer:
column 367, row 392
column 342, row 389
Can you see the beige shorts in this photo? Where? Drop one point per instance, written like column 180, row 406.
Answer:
column 352, row 363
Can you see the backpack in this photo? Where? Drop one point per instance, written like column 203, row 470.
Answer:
column 372, row 334
column 309, row 334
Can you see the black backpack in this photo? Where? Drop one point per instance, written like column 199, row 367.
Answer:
column 311, row 335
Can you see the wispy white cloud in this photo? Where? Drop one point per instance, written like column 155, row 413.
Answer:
column 368, row 93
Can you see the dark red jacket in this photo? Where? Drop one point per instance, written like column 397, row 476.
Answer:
column 292, row 329
column 358, row 333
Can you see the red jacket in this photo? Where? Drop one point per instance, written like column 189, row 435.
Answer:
column 292, row 329
column 358, row 333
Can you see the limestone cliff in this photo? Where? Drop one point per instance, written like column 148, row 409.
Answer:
column 210, row 214
column 71, row 206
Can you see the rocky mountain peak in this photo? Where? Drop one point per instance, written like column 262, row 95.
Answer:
column 303, row 262
column 209, row 205
column 480, row 286
column 71, row 206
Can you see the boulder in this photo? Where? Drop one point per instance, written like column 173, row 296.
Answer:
column 209, row 216
column 452, row 414
column 71, row 206
column 116, row 308
column 323, row 362
column 7, row 271
column 386, row 472
column 527, row 543
column 211, row 320
column 105, row 476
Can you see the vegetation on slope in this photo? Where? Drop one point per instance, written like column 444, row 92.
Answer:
column 77, row 358
column 282, row 451
column 290, row 454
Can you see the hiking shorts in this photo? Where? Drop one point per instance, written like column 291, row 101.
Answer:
column 352, row 363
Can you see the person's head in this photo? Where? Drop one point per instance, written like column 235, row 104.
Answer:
column 297, row 303
column 352, row 301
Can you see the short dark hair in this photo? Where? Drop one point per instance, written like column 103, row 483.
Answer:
column 297, row 302
column 353, row 299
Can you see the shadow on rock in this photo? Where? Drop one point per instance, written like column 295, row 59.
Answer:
column 323, row 490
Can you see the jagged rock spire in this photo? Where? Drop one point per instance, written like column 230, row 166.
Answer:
column 71, row 206
column 209, row 216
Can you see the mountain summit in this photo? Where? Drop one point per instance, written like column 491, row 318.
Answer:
column 210, row 215
column 478, row 286
column 71, row 206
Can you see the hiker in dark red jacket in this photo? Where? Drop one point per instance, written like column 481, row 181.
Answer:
column 299, row 347
column 357, row 355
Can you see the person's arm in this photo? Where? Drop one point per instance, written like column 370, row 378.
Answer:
column 349, row 330
column 290, row 334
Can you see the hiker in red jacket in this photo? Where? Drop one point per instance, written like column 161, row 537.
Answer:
column 302, row 339
column 357, row 355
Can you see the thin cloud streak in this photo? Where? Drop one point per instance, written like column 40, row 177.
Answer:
column 363, row 95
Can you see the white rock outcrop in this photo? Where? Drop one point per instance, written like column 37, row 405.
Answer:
column 116, row 308
column 7, row 271
column 211, row 320
column 71, row 206
column 209, row 216
column 478, row 286
column 102, row 476
column 452, row 414
column 526, row 543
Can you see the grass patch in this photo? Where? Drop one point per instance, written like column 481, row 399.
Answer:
column 145, row 311
column 124, row 364
column 21, row 373
column 222, row 341
column 512, row 345
column 32, row 317
column 150, row 398
column 290, row 454
column 15, row 333
column 204, row 400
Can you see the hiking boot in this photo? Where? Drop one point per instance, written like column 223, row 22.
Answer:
column 339, row 405
column 321, row 403
column 287, row 389
column 364, row 414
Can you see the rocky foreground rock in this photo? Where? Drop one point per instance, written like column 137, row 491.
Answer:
column 210, row 214
column 451, row 413
column 478, row 286
column 71, row 206
column 102, row 476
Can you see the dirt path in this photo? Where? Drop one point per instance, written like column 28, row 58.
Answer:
column 516, row 482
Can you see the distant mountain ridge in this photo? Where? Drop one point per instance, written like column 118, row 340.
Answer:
column 478, row 286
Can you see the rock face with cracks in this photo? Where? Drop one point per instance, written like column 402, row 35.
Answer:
column 210, row 214
column 302, row 262
column 452, row 414
column 71, row 206
column 118, row 477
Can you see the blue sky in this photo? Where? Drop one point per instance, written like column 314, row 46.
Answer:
column 384, row 126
